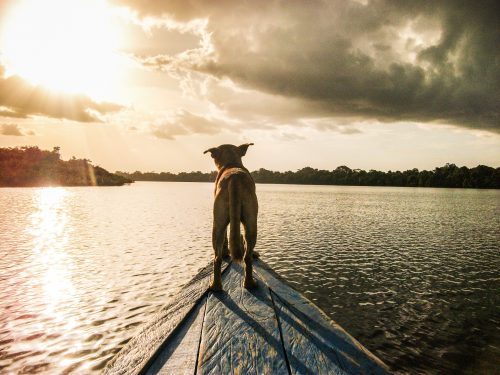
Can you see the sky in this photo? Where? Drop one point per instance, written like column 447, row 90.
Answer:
column 149, row 84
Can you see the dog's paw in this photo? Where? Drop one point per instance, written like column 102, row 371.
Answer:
column 250, row 284
column 216, row 287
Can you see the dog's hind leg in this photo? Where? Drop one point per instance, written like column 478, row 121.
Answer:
column 250, row 239
column 221, row 220
column 218, row 243
column 225, row 247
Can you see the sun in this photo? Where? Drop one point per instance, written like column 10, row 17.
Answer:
column 65, row 45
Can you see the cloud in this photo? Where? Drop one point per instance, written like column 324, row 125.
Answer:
column 387, row 60
column 170, row 124
column 14, row 130
column 327, row 124
column 184, row 123
column 291, row 137
column 20, row 99
column 7, row 112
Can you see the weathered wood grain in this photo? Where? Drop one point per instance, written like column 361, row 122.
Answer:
column 140, row 351
column 271, row 330
column 307, row 353
column 240, row 333
column 352, row 356
column 178, row 354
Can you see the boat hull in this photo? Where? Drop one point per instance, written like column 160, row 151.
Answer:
column 272, row 329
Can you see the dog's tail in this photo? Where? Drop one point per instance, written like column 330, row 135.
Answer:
column 235, row 243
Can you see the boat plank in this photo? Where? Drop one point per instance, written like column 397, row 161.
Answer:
column 141, row 350
column 300, row 343
column 179, row 354
column 353, row 357
column 273, row 329
column 240, row 332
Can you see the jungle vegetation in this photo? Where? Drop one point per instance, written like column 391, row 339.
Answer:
column 449, row 175
column 30, row 166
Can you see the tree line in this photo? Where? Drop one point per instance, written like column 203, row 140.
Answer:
column 449, row 175
column 30, row 166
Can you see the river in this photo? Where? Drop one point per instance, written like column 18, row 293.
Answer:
column 412, row 273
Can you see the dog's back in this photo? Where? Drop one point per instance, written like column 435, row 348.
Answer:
column 236, row 187
column 235, row 202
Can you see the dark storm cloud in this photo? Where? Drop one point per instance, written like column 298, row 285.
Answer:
column 389, row 60
column 20, row 99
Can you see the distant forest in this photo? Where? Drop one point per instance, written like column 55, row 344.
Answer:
column 30, row 166
column 450, row 175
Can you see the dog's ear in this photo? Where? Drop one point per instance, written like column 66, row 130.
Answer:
column 243, row 148
column 214, row 151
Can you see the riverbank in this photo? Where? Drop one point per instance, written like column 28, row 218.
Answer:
column 451, row 176
column 30, row 167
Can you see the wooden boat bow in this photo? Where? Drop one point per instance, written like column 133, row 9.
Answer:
column 270, row 330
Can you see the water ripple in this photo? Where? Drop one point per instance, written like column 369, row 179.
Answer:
column 411, row 273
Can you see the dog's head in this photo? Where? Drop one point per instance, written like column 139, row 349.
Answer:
column 228, row 155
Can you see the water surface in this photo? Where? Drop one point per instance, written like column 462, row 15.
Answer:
column 412, row 273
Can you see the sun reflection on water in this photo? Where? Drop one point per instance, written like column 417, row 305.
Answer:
column 50, row 232
column 81, row 271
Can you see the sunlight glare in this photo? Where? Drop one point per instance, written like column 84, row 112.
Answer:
column 50, row 232
column 65, row 45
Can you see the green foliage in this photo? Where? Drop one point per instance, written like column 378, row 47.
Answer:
column 450, row 175
column 167, row 176
column 30, row 166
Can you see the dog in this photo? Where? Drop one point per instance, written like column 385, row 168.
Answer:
column 235, row 202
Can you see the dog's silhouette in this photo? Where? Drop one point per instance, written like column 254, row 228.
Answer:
column 235, row 203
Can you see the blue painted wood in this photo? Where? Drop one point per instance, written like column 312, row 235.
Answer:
column 139, row 352
column 180, row 352
column 307, row 352
column 271, row 330
column 240, row 333
column 352, row 356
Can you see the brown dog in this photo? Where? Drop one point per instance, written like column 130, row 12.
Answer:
column 235, row 202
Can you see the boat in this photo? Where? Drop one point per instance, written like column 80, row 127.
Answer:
column 272, row 329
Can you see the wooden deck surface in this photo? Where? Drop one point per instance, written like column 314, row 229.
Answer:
column 270, row 330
